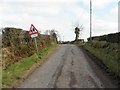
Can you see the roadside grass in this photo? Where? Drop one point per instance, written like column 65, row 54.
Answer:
column 0, row 77
column 16, row 71
column 108, row 55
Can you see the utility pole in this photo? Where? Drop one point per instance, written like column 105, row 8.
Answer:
column 90, row 20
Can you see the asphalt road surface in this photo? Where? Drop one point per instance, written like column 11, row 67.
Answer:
column 69, row 67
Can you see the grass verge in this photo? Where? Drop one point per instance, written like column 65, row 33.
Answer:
column 17, row 71
column 107, row 55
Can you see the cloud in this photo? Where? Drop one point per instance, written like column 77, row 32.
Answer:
column 41, row 1
column 61, row 15
column 99, row 4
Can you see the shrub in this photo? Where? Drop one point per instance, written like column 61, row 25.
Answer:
column 97, row 44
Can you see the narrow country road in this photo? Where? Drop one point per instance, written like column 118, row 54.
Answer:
column 69, row 67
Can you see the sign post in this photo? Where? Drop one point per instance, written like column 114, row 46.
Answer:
column 33, row 32
column 36, row 44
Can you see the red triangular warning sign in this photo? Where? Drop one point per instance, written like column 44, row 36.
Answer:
column 32, row 30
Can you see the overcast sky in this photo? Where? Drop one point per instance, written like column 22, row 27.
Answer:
column 61, row 15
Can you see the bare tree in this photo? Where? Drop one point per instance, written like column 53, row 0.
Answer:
column 77, row 31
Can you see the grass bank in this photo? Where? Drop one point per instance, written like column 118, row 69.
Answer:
column 108, row 53
column 17, row 71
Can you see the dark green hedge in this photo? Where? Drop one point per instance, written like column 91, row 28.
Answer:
column 17, row 44
column 113, row 38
